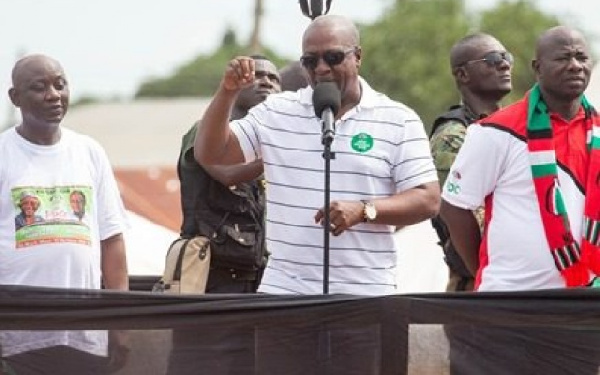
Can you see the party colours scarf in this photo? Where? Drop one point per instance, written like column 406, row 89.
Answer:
column 574, row 261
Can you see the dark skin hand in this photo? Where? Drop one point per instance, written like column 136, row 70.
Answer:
column 114, row 274
column 118, row 349
column 342, row 215
column 464, row 233
column 409, row 207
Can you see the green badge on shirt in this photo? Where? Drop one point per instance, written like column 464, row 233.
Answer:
column 362, row 142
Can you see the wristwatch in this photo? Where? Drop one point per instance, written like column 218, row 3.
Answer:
column 369, row 211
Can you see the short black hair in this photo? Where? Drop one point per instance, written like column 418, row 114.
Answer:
column 463, row 47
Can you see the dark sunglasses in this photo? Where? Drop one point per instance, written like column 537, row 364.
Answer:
column 494, row 59
column 331, row 58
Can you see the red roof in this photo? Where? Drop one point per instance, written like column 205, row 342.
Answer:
column 152, row 192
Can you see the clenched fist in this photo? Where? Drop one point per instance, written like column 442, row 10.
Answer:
column 239, row 73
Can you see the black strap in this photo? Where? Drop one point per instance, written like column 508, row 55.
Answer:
column 225, row 216
column 178, row 266
column 455, row 112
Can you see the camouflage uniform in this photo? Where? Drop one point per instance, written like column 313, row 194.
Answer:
column 445, row 142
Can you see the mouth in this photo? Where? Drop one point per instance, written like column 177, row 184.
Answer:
column 55, row 110
column 576, row 81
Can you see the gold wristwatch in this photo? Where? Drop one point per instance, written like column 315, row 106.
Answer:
column 369, row 211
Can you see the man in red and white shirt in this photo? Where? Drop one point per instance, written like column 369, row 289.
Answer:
column 529, row 164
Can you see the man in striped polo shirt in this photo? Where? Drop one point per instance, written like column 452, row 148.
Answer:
column 382, row 175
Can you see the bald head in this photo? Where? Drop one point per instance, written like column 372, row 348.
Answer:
column 331, row 52
column 41, row 92
column 333, row 25
column 558, row 36
column 469, row 48
column 563, row 67
column 24, row 66
column 293, row 77
column 481, row 68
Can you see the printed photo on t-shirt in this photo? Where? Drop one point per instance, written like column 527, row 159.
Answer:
column 57, row 214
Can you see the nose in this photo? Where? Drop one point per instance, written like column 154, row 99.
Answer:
column 504, row 64
column 52, row 93
column 265, row 81
column 575, row 64
column 322, row 66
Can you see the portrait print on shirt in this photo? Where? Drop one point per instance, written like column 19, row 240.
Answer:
column 56, row 214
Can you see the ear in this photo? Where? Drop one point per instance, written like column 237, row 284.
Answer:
column 14, row 97
column 460, row 74
column 535, row 66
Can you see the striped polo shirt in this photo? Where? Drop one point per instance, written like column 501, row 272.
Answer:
column 380, row 147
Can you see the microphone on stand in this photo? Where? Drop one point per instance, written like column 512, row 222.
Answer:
column 314, row 8
column 327, row 100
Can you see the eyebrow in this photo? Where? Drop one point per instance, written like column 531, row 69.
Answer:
column 266, row 73
column 569, row 53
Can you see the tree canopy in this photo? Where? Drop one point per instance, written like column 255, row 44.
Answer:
column 201, row 76
column 405, row 52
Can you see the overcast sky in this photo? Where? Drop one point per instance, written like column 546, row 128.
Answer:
column 108, row 47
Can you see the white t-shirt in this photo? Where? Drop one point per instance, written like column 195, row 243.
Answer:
column 380, row 149
column 54, row 250
column 516, row 255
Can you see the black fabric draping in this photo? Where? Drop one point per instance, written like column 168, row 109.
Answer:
column 542, row 332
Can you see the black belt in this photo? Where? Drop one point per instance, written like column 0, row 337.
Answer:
column 234, row 274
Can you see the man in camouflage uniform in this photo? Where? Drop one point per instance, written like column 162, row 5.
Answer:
column 482, row 71
column 210, row 197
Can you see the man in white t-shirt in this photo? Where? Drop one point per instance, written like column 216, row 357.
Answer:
column 48, row 162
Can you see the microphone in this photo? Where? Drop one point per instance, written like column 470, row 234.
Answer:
column 327, row 100
column 314, row 8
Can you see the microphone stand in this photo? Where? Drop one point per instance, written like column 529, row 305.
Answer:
column 326, row 140
column 330, row 96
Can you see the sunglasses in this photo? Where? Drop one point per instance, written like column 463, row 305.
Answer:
column 331, row 58
column 494, row 59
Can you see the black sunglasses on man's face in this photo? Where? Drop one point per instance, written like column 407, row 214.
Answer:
column 493, row 58
column 331, row 58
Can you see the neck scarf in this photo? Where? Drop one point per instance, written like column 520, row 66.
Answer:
column 574, row 261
